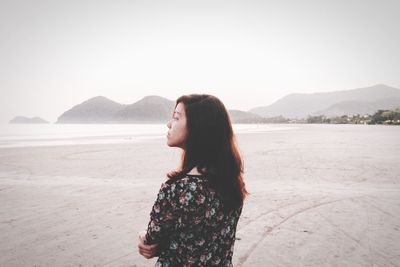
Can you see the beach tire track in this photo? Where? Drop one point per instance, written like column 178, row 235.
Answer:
column 358, row 242
column 268, row 212
column 246, row 255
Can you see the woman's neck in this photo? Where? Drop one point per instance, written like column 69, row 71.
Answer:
column 194, row 171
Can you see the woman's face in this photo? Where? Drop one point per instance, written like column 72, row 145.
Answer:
column 177, row 128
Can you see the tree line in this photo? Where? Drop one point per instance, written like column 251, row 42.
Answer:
column 390, row 117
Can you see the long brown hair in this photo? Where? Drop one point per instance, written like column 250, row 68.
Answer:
column 211, row 146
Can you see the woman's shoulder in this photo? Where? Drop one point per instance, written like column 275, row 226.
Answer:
column 186, row 181
column 189, row 190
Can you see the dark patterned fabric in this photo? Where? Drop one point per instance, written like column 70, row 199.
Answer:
column 189, row 224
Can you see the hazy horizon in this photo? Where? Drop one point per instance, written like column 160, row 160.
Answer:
column 58, row 54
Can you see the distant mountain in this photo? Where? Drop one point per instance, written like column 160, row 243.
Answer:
column 98, row 109
column 34, row 120
column 156, row 109
column 238, row 116
column 358, row 107
column 149, row 109
column 302, row 105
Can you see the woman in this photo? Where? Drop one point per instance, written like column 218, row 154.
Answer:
column 193, row 221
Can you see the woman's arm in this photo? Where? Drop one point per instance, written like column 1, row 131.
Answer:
column 162, row 216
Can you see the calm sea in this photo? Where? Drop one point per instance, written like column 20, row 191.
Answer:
column 23, row 135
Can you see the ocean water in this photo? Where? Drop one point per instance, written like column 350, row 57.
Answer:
column 28, row 135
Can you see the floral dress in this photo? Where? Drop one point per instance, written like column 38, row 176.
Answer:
column 190, row 225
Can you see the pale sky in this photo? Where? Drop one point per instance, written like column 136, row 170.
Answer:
column 56, row 54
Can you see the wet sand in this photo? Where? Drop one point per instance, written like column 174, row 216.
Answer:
column 321, row 195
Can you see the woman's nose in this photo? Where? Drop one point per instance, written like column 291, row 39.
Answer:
column 169, row 124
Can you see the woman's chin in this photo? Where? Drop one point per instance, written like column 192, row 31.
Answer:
column 169, row 143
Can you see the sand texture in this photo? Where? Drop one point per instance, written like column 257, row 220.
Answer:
column 321, row 195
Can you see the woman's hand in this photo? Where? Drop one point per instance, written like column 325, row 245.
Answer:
column 147, row 251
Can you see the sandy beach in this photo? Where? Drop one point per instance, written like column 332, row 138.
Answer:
column 321, row 195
